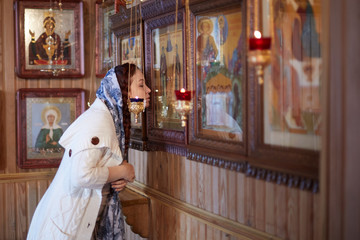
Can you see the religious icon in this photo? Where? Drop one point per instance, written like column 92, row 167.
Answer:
column 50, row 132
column 48, row 49
column 177, row 67
column 130, row 51
column 163, row 71
column 292, row 90
column 49, row 41
column 206, row 47
column 218, row 72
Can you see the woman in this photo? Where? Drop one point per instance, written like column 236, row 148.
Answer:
column 83, row 195
column 51, row 132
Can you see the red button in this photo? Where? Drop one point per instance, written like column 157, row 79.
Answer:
column 95, row 140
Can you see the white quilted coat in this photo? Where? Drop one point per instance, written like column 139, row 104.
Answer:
column 69, row 208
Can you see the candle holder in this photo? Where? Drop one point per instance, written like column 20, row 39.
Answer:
column 259, row 59
column 259, row 54
column 136, row 105
column 183, row 104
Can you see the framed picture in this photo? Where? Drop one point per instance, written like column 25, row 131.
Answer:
column 164, row 65
column 43, row 114
column 131, row 50
column 130, row 47
column 105, row 38
column 287, row 117
column 217, row 128
column 49, row 39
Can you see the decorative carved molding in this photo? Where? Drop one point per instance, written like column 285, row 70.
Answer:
column 120, row 22
column 150, row 9
column 137, row 145
column 203, row 5
column 173, row 149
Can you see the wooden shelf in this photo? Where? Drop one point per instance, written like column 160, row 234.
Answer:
column 136, row 209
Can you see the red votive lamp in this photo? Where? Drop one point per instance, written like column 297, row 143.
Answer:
column 183, row 95
column 259, row 43
column 136, row 99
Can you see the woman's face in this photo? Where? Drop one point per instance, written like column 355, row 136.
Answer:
column 138, row 87
column 51, row 119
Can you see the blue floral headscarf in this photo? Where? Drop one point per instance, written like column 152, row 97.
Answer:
column 111, row 225
column 110, row 93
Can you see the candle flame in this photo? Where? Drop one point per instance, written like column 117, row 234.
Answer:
column 257, row 34
column 182, row 90
column 137, row 97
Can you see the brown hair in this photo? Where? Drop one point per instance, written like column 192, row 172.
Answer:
column 122, row 75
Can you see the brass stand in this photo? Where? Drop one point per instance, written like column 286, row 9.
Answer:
column 259, row 59
column 136, row 108
column 183, row 108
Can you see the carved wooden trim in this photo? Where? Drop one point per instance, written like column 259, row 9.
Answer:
column 226, row 225
column 137, row 145
column 120, row 22
column 173, row 149
column 153, row 8
column 197, row 6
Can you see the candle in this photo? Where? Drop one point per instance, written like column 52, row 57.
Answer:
column 259, row 43
column 136, row 99
column 183, row 95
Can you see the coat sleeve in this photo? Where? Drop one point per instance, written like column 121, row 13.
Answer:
column 88, row 168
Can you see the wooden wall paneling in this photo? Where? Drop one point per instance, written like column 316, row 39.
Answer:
column 231, row 201
column 171, row 172
column 293, row 213
column 260, row 197
column 41, row 187
column 194, row 183
column 163, row 175
column 182, row 225
column 188, row 181
column 140, row 162
column 305, row 217
column 223, row 192
column 188, row 227
column 281, row 211
column 3, row 217
column 31, row 83
column 209, row 232
column 201, row 230
column 215, row 187
column 316, row 215
column 201, row 185
column 194, row 229
column 157, row 173
column 177, row 176
column 31, row 200
column 21, row 210
column 208, row 188
column 250, row 202
column 270, row 208
column 240, row 198
column 10, row 211
column 156, row 219
column 183, row 178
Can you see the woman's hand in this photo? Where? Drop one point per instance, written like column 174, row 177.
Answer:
column 129, row 171
column 124, row 171
column 119, row 185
